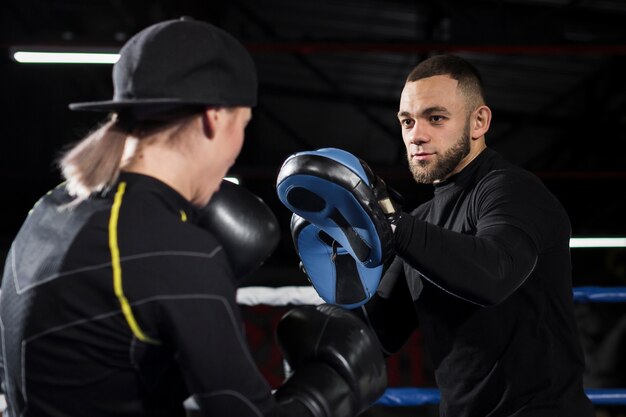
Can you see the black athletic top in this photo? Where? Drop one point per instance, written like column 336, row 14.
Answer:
column 121, row 306
column 488, row 272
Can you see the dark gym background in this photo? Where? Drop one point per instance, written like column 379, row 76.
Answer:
column 330, row 75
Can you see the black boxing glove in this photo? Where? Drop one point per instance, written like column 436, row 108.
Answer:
column 338, row 368
column 243, row 224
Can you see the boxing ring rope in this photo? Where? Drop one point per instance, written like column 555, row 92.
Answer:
column 306, row 295
column 407, row 397
column 600, row 294
column 410, row 396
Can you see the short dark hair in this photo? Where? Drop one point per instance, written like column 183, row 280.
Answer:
column 457, row 68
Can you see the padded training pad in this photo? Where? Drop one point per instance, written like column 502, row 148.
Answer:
column 324, row 263
column 330, row 189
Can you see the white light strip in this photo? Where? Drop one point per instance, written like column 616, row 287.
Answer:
column 597, row 242
column 65, row 57
column 234, row 180
column 280, row 296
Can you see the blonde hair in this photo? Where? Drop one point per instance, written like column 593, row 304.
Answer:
column 94, row 163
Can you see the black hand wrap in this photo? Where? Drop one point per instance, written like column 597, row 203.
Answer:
column 389, row 199
column 243, row 224
column 338, row 368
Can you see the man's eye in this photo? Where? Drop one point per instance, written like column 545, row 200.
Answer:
column 406, row 122
column 437, row 119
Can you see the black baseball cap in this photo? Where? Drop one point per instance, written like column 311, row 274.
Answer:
column 179, row 63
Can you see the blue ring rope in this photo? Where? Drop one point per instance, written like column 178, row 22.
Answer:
column 407, row 397
column 600, row 294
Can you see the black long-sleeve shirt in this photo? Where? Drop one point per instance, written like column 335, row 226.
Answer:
column 488, row 278
column 121, row 306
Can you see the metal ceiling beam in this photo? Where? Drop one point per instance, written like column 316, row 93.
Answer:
column 333, row 47
column 332, row 84
column 597, row 119
column 563, row 141
column 340, row 47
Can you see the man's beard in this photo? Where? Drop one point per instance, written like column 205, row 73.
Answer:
column 427, row 172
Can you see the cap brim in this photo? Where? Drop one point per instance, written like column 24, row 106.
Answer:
column 157, row 104
column 117, row 105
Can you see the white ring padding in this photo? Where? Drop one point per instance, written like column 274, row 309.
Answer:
column 306, row 295
column 280, row 296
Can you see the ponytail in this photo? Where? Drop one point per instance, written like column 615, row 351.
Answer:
column 93, row 164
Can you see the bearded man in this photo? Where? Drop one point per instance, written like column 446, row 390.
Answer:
column 483, row 268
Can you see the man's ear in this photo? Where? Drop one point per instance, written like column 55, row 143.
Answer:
column 209, row 122
column 481, row 119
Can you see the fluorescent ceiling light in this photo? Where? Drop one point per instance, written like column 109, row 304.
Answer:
column 598, row 242
column 36, row 57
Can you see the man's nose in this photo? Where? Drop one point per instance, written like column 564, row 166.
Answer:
column 418, row 135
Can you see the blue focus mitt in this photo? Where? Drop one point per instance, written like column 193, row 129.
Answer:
column 338, row 192
column 337, row 277
column 349, row 214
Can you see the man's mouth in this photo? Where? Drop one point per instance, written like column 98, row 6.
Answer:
column 422, row 156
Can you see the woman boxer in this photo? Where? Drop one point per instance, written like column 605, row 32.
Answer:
column 116, row 301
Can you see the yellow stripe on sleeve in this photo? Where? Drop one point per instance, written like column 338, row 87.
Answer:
column 117, row 268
